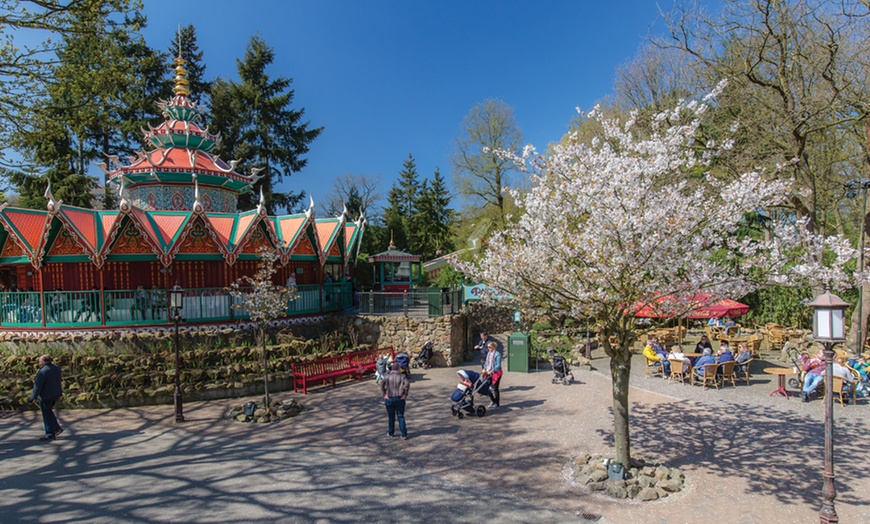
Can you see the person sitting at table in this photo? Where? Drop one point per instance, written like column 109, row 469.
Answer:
column 676, row 353
column 815, row 374
column 660, row 351
column 703, row 360
column 862, row 367
column 655, row 358
column 724, row 354
column 703, row 344
column 730, row 322
column 714, row 322
column 743, row 355
column 840, row 370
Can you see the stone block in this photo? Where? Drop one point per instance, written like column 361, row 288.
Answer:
column 648, row 494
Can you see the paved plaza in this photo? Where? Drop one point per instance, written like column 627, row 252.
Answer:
column 748, row 457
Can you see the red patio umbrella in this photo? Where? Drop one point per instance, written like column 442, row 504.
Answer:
column 717, row 309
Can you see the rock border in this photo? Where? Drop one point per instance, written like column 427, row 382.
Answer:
column 643, row 481
column 279, row 410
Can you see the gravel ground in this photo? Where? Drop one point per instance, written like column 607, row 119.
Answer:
column 747, row 456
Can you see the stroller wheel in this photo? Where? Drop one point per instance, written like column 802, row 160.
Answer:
column 481, row 411
column 454, row 410
column 794, row 383
column 414, row 365
column 460, row 414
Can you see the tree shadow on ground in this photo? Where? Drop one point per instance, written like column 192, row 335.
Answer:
column 777, row 452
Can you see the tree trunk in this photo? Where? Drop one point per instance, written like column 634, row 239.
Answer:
column 620, row 371
column 266, row 401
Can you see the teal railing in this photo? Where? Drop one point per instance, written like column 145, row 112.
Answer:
column 150, row 306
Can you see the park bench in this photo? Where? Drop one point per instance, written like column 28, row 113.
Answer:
column 332, row 368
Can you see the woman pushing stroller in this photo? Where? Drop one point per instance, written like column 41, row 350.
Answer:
column 492, row 369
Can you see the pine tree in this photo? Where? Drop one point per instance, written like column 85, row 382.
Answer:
column 432, row 220
column 104, row 90
column 408, row 187
column 259, row 127
column 195, row 66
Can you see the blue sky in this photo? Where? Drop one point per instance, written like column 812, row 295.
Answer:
column 389, row 78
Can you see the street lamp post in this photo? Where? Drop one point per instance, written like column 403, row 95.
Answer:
column 176, row 303
column 829, row 312
column 853, row 186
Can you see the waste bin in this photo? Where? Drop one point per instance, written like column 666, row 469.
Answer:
column 519, row 346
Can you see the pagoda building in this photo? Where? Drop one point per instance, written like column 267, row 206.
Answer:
column 176, row 223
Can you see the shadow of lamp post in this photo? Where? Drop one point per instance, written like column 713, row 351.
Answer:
column 829, row 328
column 176, row 304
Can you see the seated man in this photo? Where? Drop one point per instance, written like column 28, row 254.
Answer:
column 703, row 360
column 654, row 357
column 724, row 354
column 815, row 374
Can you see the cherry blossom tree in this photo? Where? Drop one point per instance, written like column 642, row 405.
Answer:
column 632, row 217
column 263, row 301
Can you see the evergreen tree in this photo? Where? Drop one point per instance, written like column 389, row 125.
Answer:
column 395, row 221
column 104, row 90
column 408, row 184
column 432, row 220
column 259, row 128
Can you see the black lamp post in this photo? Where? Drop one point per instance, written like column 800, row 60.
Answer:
column 829, row 313
column 176, row 303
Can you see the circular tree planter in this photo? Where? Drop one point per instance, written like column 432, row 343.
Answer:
column 643, row 481
column 255, row 412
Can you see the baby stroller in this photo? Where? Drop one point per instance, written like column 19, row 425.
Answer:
column 798, row 361
column 463, row 397
column 561, row 370
column 424, row 357
column 404, row 361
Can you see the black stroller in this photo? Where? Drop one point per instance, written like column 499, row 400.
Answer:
column 463, row 397
column 424, row 357
column 561, row 370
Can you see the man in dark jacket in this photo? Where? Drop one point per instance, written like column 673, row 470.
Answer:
column 395, row 389
column 46, row 387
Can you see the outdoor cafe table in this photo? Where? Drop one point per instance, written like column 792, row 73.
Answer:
column 781, row 373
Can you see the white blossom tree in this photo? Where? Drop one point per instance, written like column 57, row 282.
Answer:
column 263, row 301
column 613, row 225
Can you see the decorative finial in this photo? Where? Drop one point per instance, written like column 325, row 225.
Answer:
column 391, row 246
column 122, row 192
column 52, row 204
column 197, row 205
column 310, row 211
column 261, row 207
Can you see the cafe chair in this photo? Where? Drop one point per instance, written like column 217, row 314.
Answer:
column 728, row 373
column 708, row 378
column 680, row 371
column 654, row 368
column 741, row 371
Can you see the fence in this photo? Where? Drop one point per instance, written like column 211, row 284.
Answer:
column 150, row 306
column 420, row 302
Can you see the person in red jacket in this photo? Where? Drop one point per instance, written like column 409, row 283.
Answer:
column 815, row 374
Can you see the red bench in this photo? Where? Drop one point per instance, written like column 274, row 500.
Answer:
column 332, row 368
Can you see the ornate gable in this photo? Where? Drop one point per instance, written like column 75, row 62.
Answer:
column 65, row 244
column 132, row 241
column 11, row 248
column 198, row 240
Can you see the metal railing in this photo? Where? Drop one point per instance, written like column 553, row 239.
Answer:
column 150, row 306
column 420, row 302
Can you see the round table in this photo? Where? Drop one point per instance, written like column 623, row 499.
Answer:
column 781, row 373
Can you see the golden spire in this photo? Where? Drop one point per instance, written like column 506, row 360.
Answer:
column 181, row 82
column 391, row 246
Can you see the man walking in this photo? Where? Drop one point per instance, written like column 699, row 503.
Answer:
column 47, row 388
column 395, row 389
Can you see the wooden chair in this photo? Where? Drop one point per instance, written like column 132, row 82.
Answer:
column 744, row 370
column 708, row 378
column 680, row 371
column 728, row 373
column 654, row 368
column 754, row 345
column 844, row 389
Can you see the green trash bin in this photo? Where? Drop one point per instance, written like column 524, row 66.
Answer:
column 519, row 347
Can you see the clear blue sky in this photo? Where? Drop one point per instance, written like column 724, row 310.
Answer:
column 389, row 78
